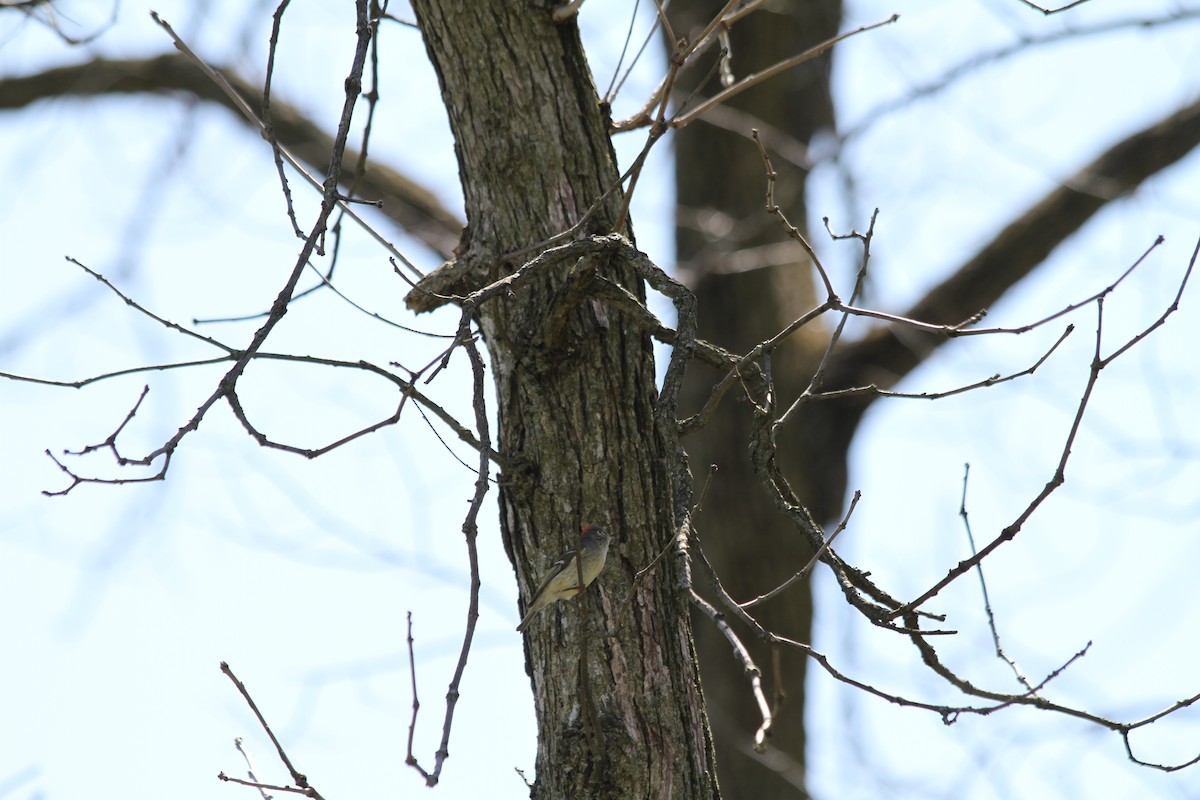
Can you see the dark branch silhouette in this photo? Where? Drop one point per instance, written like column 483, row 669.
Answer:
column 412, row 207
column 1017, row 249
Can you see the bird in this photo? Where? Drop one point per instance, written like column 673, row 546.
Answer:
column 562, row 582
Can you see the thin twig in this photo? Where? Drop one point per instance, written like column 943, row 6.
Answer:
column 416, row 703
column 129, row 301
column 987, row 601
column 1022, row 46
column 326, row 281
column 993, row 380
column 748, row 666
column 812, row 562
column 470, row 529
column 226, row 387
column 298, row 777
column 818, row 376
column 265, row 787
column 758, row 77
column 354, row 79
column 251, row 769
column 268, row 126
column 1049, row 11
column 110, row 444
column 1099, row 362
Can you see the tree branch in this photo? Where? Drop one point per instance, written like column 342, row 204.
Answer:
column 409, row 205
column 1018, row 249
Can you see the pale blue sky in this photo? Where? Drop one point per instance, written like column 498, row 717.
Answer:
column 119, row 602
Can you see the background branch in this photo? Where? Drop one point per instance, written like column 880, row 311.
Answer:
column 411, row 206
column 1018, row 248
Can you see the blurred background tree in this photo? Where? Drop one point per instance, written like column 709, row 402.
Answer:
column 956, row 124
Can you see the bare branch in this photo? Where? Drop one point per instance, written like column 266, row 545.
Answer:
column 1049, row 11
column 812, row 562
column 875, row 391
column 748, row 666
column 166, row 323
column 326, row 282
column 987, row 602
column 1099, row 362
column 1018, row 248
column 52, row 20
column 251, row 769
column 406, row 203
column 110, row 444
column 470, row 530
column 301, row 781
column 745, row 83
column 1021, row 46
column 619, row 297
column 618, row 80
column 1129, row 728
column 264, row 787
column 407, row 388
column 227, row 386
column 268, row 126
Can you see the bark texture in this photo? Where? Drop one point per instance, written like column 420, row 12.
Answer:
column 575, row 384
column 621, row 715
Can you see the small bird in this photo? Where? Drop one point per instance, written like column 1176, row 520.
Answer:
column 562, row 581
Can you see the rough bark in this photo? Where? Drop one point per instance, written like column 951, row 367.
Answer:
column 593, row 387
column 722, row 219
column 621, row 715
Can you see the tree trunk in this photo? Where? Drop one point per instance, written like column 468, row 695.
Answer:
column 721, row 221
column 620, row 715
